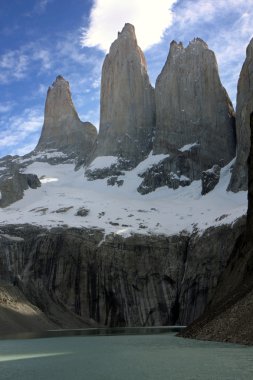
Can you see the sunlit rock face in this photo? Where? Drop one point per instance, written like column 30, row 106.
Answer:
column 62, row 129
column 127, row 114
column 192, row 107
column 244, row 107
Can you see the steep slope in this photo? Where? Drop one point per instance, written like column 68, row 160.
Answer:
column 86, row 247
column 194, row 115
column 229, row 315
column 127, row 106
column 62, row 129
column 18, row 315
column 77, row 276
column 244, row 108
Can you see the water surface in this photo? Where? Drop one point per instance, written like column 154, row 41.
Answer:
column 123, row 357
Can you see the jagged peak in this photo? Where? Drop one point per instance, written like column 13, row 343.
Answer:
column 197, row 41
column 128, row 30
column 126, row 34
column 176, row 46
column 60, row 80
column 179, row 47
column 127, row 40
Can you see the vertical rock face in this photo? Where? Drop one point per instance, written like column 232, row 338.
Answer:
column 127, row 114
column 135, row 281
column 192, row 107
column 62, row 129
column 228, row 316
column 244, row 108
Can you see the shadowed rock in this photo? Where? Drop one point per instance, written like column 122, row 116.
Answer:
column 210, row 178
column 13, row 183
column 228, row 316
column 127, row 114
column 142, row 280
column 192, row 107
column 244, row 107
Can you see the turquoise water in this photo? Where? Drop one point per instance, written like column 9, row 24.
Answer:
column 123, row 357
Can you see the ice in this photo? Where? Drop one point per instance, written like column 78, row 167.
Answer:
column 188, row 147
column 103, row 162
column 122, row 210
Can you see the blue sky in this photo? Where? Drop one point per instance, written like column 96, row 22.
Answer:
column 43, row 38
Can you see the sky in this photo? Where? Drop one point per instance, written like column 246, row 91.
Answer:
column 40, row 39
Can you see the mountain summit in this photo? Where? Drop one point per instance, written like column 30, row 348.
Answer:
column 127, row 114
column 62, row 129
column 192, row 106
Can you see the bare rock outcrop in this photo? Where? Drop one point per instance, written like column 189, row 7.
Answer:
column 13, row 182
column 127, row 105
column 244, row 108
column 228, row 316
column 193, row 110
column 116, row 281
column 210, row 178
column 62, row 129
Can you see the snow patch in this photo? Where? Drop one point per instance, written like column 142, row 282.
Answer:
column 103, row 162
column 188, row 147
column 48, row 179
column 122, row 210
column 151, row 160
column 44, row 155
column 12, row 238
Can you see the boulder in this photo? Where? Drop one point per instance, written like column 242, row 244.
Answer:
column 13, row 184
column 210, row 178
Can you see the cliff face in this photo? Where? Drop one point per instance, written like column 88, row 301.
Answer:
column 244, row 108
column 13, row 182
column 193, row 112
column 228, row 316
column 62, row 129
column 127, row 106
column 137, row 281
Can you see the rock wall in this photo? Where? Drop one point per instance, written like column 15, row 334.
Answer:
column 137, row 281
column 193, row 109
column 13, row 182
column 228, row 316
column 127, row 105
column 244, row 108
column 62, row 129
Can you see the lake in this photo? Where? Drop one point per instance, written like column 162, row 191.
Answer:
column 135, row 356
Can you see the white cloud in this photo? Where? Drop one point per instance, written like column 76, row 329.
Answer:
column 200, row 11
column 21, row 130
column 39, row 8
column 150, row 18
column 17, row 64
column 227, row 25
column 25, row 149
column 13, row 64
column 44, row 56
column 6, row 107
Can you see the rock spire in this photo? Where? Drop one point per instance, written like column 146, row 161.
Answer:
column 62, row 129
column 192, row 107
column 244, row 108
column 127, row 105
